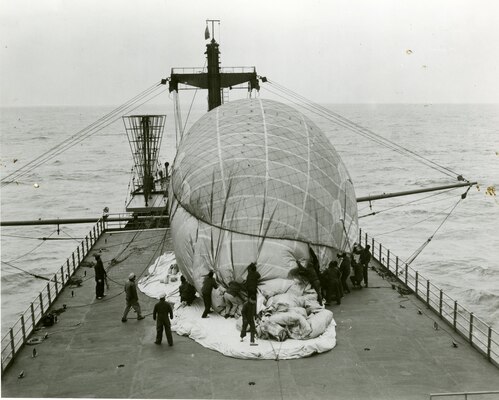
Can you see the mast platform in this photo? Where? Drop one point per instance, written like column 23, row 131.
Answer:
column 156, row 205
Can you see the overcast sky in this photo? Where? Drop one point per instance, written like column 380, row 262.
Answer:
column 103, row 52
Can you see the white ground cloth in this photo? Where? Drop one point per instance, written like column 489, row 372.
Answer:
column 158, row 280
column 218, row 333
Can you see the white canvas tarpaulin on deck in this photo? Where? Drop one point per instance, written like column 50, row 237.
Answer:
column 222, row 335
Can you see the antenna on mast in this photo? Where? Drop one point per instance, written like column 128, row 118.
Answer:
column 207, row 30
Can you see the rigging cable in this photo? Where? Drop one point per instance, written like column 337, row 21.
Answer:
column 178, row 118
column 365, row 130
column 320, row 113
column 189, row 112
column 107, row 123
column 420, row 249
column 79, row 136
column 30, row 273
column 71, row 237
column 356, row 128
column 411, row 225
column 22, row 237
column 33, row 249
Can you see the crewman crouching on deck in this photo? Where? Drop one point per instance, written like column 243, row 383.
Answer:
column 357, row 274
column 333, row 283
column 162, row 314
column 187, row 291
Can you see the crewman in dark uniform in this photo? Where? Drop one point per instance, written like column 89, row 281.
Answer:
column 333, row 288
column 131, row 298
column 312, row 271
column 345, row 271
column 252, row 280
column 187, row 291
column 208, row 285
column 248, row 314
column 365, row 257
column 162, row 314
column 357, row 274
column 100, row 277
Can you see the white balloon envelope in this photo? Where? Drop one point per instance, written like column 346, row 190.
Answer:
column 257, row 181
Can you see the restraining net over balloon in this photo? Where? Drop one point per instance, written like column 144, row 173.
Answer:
column 257, row 181
column 253, row 162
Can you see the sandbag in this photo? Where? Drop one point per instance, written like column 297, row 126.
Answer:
column 297, row 325
column 319, row 322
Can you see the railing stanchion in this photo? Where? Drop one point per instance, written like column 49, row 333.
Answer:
column 489, row 342
column 73, row 256
column 56, row 285
column 388, row 259
column 471, row 328
column 416, row 283
column 23, row 327
column 62, row 277
column 69, row 269
column 41, row 302
column 12, row 344
column 454, row 322
column 440, row 302
column 428, row 292
column 380, row 254
column 360, row 236
column 372, row 247
column 406, row 273
column 33, row 315
column 50, row 298
column 397, row 266
column 78, row 254
column 86, row 242
column 366, row 239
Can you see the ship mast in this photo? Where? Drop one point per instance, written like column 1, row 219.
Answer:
column 213, row 78
column 145, row 133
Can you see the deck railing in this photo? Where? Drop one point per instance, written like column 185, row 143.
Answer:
column 478, row 333
column 17, row 335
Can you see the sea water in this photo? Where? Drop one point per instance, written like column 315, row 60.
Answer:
column 462, row 257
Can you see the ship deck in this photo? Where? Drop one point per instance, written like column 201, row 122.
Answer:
column 385, row 349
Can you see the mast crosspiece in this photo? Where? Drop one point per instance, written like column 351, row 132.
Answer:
column 213, row 78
